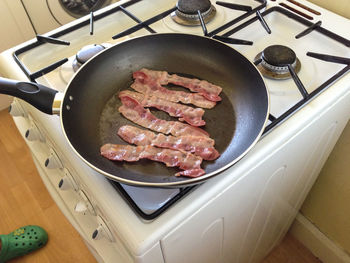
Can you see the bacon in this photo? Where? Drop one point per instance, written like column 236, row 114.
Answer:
column 186, row 161
column 133, row 111
column 202, row 87
column 201, row 146
column 191, row 173
column 185, row 113
column 155, row 89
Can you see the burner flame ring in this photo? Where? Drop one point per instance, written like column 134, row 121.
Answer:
column 277, row 69
column 193, row 19
column 274, row 61
column 193, row 16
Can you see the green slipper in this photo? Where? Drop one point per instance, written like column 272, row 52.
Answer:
column 21, row 242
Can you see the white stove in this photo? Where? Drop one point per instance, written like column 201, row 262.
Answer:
column 237, row 216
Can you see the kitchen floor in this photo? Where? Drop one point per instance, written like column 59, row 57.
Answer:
column 24, row 200
column 291, row 251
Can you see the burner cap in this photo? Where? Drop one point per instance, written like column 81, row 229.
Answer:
column 278, row 55
column 275, row 60
column 187, row 12
column 85, row 54
column 88, row 52
column 192, row 6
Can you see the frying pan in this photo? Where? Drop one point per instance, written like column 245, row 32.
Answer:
column 89, row 108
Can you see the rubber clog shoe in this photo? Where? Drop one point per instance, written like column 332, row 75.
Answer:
column 21, row 242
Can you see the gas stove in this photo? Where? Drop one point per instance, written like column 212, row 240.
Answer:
column 303, row 53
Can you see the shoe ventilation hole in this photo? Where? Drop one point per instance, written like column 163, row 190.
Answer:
column 24, row 229
column 30, row 237
column 16, row 237
column 32, row 230
column 23, row 244
column 36, row 237
column 28, row 233
column 34, row 233
column 30, row 244
column 16, row 244
column 40, row 244
column 23, row 236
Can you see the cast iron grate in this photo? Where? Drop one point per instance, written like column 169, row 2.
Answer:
column 54, row 38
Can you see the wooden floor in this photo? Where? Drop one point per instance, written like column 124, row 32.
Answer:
column 24, row 200
column 291, row 251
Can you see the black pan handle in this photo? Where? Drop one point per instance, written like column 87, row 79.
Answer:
column 39, row 96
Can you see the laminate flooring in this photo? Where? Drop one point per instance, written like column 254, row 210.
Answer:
column 291, row 251
column 24, row 200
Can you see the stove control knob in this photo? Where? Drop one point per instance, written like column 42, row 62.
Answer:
column 84, row 206
column 34, row 134
column 81, row 207
column 98, row 233
column 53, row 162
column 67, row 182
column 16, row 110
column 102, row 231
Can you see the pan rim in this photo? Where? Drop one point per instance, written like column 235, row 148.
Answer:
column 178, row 184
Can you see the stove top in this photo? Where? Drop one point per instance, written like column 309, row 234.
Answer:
column 251, row 27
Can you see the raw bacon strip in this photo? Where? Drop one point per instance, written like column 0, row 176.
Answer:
column 159, row 91
column 186, row 161
column 133, row 111
column 191, row 115
column 203, row 87
column 201, row 146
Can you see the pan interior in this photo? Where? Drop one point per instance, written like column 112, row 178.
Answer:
column 92, row 118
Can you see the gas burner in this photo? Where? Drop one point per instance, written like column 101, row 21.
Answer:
column 85, row 53
column 82, row 7
column 187, row 12
column 68, row 69
column 275, row 60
